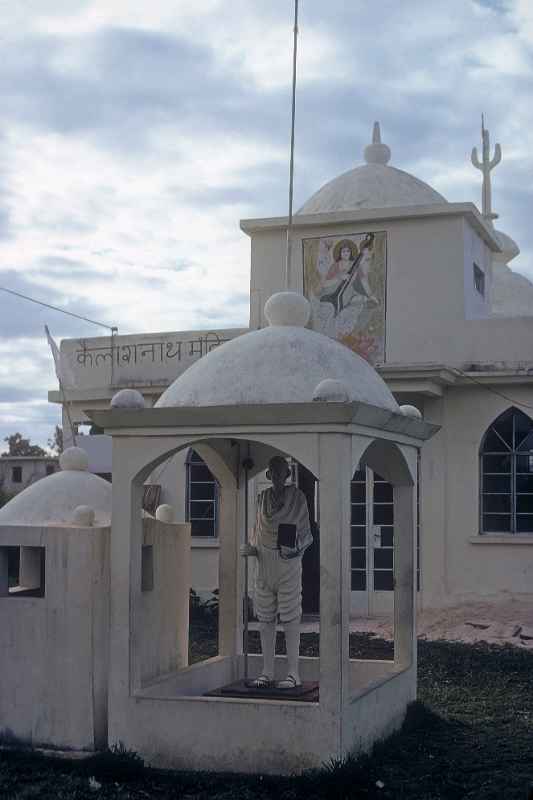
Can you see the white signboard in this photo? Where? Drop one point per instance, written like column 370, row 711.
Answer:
column 138, row 360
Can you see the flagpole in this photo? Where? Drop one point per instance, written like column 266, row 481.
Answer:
column 246, row 466
column 67, row 409
column 288, row 256
column 56, row 355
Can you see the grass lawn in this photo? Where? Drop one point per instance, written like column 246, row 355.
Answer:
column 470, row 736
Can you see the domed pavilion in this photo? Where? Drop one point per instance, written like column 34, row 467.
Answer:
column 53, row 500
column 290, row 391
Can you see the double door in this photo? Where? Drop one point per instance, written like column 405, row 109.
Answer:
column 372, row 544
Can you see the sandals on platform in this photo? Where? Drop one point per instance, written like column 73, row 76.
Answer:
column 262, row 682
column 289, row 682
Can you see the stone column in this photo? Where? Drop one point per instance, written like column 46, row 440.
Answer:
column 4, row 577
column 335, row 452
column 229, row 595
column 404, row 575
column 125, row 572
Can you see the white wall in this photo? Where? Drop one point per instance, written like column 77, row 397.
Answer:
column 98, row 449
column 54, row 654
column 172, row 475
column 54, row 657
column 458, row 564
column 477, row 306
column 164, row 605
column 433, row 315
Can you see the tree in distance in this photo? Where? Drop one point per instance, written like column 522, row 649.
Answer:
column 18, row 446
column 55, row 443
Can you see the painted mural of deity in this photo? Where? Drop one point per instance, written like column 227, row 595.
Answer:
column 345, row 282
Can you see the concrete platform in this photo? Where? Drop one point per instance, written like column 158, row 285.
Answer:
column 308, row 691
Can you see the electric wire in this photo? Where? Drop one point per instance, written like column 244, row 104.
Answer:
column 112, row 328
column 493, row 391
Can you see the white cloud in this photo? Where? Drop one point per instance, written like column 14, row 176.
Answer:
column 126, row 163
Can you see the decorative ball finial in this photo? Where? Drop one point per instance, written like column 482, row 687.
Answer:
column 377, row 153
column 288, row 308
column 165, row 513
column 331, row 391
column 74, row 458
column 128, row 398
column 83, row 516
column 411, row 411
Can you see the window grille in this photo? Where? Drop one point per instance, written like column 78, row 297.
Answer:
column 506, row 475
column 479, row 280
column 202, row 497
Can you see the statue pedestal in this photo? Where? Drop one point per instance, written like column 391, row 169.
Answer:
column 306, row 691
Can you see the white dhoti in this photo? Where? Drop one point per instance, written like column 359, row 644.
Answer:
column 278, row 579
column 278, row 586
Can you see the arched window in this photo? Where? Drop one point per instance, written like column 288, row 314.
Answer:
column 202, row 497
column 506, row 474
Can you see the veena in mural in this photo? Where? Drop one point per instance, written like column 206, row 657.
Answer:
column 345, row 281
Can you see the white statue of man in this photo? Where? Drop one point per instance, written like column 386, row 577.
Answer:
column 278, row 583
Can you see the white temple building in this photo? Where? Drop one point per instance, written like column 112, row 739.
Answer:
column 422, row 288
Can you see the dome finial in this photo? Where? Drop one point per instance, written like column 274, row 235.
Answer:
column 377, row 153
column 288, row 308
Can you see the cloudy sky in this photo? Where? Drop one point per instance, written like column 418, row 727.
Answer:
column 134, row 135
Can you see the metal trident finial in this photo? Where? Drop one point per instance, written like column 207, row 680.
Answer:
column 486, row 165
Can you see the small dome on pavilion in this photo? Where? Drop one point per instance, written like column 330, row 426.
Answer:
column 372, row 185
column 283, row 363
column 54, row 499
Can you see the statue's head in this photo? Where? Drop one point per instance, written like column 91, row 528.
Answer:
column 278, row 470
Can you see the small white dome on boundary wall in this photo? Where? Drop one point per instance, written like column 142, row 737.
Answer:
column 58, row 498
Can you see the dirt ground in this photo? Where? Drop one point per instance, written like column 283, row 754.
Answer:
column 509, row 622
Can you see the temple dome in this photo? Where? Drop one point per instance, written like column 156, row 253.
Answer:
column 283, row 363
column 512, row 293
column 54, row 499
column 372, row 185
column 509, row 247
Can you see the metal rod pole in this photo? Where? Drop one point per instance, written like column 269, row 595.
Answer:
column 288, row 256
column 247, row 463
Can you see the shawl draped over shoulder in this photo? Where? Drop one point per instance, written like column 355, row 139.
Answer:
column 293, row 511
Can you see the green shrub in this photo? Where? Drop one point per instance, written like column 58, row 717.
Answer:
column 5, row 497
column 204, row 612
